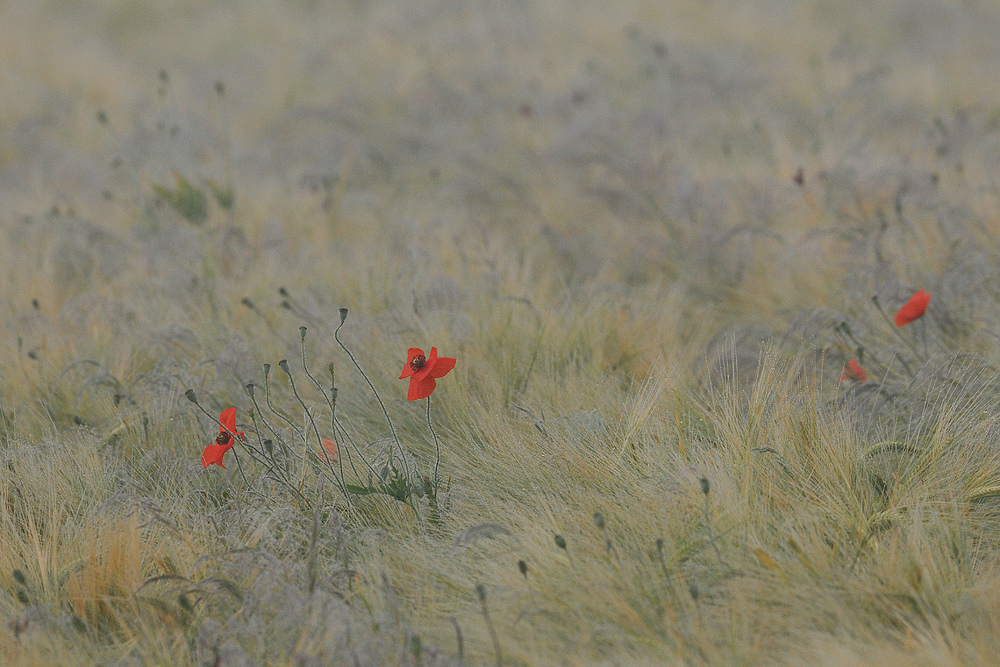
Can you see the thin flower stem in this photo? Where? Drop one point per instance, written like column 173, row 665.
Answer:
column 281, row 441
column 392, row 429
column 437, row 445
column 267, row 398
column 305, row 368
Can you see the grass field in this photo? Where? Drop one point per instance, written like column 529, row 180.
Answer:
column 665, row 243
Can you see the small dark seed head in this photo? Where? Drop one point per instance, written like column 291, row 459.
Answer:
column 343, row 315
column 247, row 302
column 282, row 291
column 190, row 396
column 116, row 399
column 560, row 541
column 269, row 446
column 220, row 88
column 523, row 567
column 286, row 305
column 164, row 77
column 35, row 304
column 694, row 592
column 20, row 578
column 102, row 117
column 33, row 354
column 481, row 592
column 267, row 369
column 302, row 332
column 79, row 625
column 249, row 388
column 22, row 597
column 659, row 545
column 283, row 365
column 183, row 601
column 704, row 485
column 599, row 520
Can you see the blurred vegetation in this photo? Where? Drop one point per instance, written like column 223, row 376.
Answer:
column 655, row 237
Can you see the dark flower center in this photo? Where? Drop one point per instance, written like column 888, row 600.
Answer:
column 418, row 362
column 223, row 439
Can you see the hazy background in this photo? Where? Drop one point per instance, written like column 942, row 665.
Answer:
column 640, row 227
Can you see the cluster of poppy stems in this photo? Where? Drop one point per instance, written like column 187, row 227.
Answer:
column 910, row 311
column 423, row 371
column 420, row 368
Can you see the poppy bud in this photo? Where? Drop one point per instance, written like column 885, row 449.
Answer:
column 704, row 485
column 523, row 567
column 343, row 315
column 190, row 396
column 20, row 578
column 561, row 542
column 22, row 597
column 481, row 592
column 599, row 520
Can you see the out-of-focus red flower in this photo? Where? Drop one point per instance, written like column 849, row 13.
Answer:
column 854, row 371
column 422, row 370
column 329, row 452
column 224, row 441
column 913, row 309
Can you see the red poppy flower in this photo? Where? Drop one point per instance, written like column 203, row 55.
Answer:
column 913, row 309
column 854, row 371
column 422, row 370
column 329, row 451
column 224, row 442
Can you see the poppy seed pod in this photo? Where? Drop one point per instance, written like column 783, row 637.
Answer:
column 302, row 332
column 343, row 315
column 283, row 365
column 190, row 396
column 704, row 485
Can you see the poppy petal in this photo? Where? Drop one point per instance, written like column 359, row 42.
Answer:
column 329, row 452
column 913, row 309
column 443, row 366
column 227, row 420
column 213, row 454
column 420, row 388
column 410, row 354
column 428, row 365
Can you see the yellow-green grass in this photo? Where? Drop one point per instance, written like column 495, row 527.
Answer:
column 647, row 455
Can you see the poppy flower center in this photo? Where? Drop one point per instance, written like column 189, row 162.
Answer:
column 418, row 362
column 223, row 438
